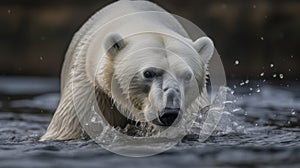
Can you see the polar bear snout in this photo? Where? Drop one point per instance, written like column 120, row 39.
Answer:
column 172, row 108
column 172, row 98
column 168, row 117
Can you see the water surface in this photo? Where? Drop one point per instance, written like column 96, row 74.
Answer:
column 266, row 133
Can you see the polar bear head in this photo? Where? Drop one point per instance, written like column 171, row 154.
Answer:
column 155, row 77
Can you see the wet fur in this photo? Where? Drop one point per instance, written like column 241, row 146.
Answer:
column 65, row 123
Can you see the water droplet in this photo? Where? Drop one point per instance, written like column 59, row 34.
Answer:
column 41, row 58
column 234, row 86
column 236, row 62
column 271, row 65
column 290, row 70
column 281, row 76
column 93, row 119
column 293, row 113
column 292, row 56
column 258, row 90
column 250, row 89
column 262, row 38
column 9, row 11
column 242, row 83
column 257, row 85
column 262, row 74
column 274, row 75
column 264, row 80
column 247, row 81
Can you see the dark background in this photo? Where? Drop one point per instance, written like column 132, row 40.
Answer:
column 35, row 34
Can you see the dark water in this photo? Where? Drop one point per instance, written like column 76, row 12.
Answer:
column 270, row 136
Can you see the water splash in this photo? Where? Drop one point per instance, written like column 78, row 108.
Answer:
column 281, row 76
column 236, row 62
column 224, row 120
column 217, row 119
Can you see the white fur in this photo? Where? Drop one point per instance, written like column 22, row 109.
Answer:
column 88, row 47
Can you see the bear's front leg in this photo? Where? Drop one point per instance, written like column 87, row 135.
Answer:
column 64, row 124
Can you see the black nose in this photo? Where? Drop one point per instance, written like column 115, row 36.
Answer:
column 169, row 116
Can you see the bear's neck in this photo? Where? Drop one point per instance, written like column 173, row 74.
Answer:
column 109, row 110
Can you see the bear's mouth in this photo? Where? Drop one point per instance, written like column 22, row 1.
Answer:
column 167, row 117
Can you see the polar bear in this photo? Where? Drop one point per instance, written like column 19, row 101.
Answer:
column 149, row 67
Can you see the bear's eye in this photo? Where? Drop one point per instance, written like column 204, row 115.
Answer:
column 149, row 74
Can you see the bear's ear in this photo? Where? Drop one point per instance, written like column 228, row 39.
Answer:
column 113, row 43
column 205, row 47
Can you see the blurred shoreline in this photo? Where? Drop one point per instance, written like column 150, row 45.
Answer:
column 250, row 35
